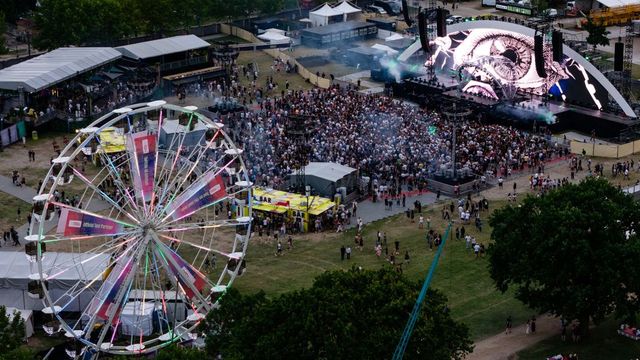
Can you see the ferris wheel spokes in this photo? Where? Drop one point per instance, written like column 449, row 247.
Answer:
column 119, row 183
column 207, row 224
column 104, row 196
column 146, row 275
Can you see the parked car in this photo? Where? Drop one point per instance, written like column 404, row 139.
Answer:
column 452, row 19
column 377, row 9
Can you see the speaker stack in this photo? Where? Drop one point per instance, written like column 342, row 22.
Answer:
column 556, row 42
column 405, row 13
column 618, row 63
column 538, row 50
column 422, row 29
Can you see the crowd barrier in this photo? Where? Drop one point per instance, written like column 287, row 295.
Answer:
column 605, row 150
column 248, row 36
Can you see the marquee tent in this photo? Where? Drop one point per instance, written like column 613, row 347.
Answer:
column 54, row 67
column 15, row 270
column 27, row 317
column 160, row 47
column 171, row 128
column 274, row 36
column 321, row 16
column 348, row 11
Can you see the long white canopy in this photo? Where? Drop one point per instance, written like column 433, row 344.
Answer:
column 617, row 3
column 166, row 46
column 54, row 67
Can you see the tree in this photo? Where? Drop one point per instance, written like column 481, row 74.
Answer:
column 175, row 352
column 567, row 252
column 3, row 29
column 268, row 7
column 352, row 314
column 12, row 331
column 60, row 23
column 13, row 9
column 598, row 33
column 540, row 6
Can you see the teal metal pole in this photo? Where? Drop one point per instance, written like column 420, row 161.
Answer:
column 398, row 354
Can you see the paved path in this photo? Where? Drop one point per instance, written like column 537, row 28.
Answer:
column 504, row 347
column 26, row 194
column 370, row 211
column 21, row 192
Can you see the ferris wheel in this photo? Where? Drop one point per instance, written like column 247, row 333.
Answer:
column 140, row 226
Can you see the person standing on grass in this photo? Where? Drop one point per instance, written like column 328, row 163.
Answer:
column 342, row 252
column 421, row 222
column 407, row 258
column 279, row 249
column 348, row 251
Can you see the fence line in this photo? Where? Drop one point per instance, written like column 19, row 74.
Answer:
column 605, row 150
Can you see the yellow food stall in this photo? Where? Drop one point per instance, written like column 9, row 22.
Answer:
column 290, row 206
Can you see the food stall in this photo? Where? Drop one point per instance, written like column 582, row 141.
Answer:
column 291, row 208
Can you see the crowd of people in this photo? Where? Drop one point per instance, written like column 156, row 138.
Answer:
column 390, row 141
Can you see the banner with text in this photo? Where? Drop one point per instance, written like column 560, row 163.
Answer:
column 199, row 195
column 142, row 152
column 72, row 222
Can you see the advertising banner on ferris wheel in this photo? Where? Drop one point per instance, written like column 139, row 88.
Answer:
column 106, row 301
column 73, row 222
column 142, row 149
column 189, row 274
column 207, row 190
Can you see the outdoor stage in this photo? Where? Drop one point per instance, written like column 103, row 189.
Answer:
column 522, row 110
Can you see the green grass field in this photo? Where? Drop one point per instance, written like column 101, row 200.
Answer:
column 264, row 62
column 465, row 280
column 9, row 214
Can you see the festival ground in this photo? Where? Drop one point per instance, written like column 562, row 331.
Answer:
column 464, row 279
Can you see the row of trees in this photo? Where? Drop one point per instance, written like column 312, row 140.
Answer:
column 78, row 22
column 356, row 314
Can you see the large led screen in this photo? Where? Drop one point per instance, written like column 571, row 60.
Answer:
column 492, row 61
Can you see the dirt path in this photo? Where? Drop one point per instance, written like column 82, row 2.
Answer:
column 503, row 346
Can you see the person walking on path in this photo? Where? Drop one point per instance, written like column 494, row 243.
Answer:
column 509, row 325
column 528, row 328
column 14, row 236
column 533, row 324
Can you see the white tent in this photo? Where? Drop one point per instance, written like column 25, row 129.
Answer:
column 348, row 11
column 617, row 3
column 137, row 318
column 160, row 47
column 320, row 16
column 15, row 270
column 385, row 48
column 27, row 317
column 274, row 37
column 54, row 67
column 171, row 128
column 394, row 36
